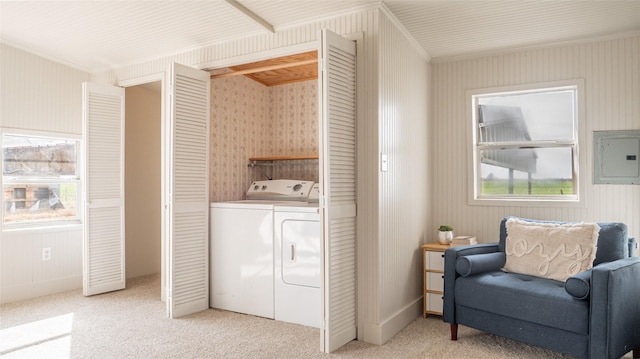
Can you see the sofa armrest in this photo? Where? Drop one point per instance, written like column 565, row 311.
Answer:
column 450, row 274
column 615, row 312
column 633, row 247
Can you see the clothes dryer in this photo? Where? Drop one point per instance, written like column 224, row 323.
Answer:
column 298, row 245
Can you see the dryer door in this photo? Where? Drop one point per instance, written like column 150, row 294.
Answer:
column 301, row 252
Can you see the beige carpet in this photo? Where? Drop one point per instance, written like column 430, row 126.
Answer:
column 131, row 324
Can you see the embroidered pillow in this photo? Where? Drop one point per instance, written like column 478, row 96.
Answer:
column 550, row 250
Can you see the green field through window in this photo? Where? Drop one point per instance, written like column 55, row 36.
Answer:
column 521, row 187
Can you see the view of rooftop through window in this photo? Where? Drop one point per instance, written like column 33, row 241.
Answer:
column 526, row 142
column 39, row 179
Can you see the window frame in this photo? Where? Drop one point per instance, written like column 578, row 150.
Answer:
column 77, row 180
column 577, row 199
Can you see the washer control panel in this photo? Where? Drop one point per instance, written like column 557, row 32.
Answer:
column 314, row 195
column 280, row 190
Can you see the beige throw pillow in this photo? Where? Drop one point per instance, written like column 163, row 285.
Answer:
column 550, row 250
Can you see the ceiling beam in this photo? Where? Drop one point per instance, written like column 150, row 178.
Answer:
column 260, row 21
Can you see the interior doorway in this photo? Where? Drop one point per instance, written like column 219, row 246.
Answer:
column 143, row 173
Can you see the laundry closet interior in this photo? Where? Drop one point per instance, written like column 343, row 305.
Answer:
column 261, row 114
column 265, row 236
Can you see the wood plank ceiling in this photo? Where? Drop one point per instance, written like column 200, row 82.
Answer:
column 277, row 71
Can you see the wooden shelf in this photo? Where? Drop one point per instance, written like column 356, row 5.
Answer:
column 284, row 158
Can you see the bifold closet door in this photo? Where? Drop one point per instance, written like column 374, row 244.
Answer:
column 188, row 233
column 103, row 258
column 337, row 82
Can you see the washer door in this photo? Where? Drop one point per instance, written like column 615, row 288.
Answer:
column 301, row 252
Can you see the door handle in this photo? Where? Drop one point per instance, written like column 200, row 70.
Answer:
column 293, row 252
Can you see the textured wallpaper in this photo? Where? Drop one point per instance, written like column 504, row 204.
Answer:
column 249, row 119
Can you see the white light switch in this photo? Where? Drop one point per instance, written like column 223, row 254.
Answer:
column 383, row 162
column 46, row 254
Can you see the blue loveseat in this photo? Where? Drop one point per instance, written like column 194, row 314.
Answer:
column 594, row 314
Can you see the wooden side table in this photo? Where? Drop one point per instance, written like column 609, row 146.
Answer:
column 433, row 277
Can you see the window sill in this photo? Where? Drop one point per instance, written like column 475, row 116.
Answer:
column 524, row 202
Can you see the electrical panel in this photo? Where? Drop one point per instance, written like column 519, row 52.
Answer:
column 616, row 157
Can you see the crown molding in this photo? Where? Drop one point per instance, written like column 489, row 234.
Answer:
column 385, row 10
column 547, row 45
column 45, row 56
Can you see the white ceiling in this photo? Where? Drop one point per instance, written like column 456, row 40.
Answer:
column 100, row 35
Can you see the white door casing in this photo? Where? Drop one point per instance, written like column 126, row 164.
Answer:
column 103, row 174
column 188, row 197
column 337, row 88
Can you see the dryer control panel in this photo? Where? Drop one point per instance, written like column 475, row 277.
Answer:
column 280, row 190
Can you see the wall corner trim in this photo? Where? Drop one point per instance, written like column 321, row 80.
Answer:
column 394, row 20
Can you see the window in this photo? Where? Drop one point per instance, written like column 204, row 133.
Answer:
column 525, row 144
column 40, row 180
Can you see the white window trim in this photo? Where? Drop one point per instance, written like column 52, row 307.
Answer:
column 48, row 225
column 578, row 200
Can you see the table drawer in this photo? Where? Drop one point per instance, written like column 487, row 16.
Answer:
column 434, row 302
column 434, row 281
column 435, row 260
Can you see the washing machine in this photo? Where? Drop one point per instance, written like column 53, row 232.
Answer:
column 298, row 246
column 242, row 246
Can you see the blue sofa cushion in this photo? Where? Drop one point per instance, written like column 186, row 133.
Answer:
column 578, row 285
column 533, row 299
column 612, row 243
column 479, row 263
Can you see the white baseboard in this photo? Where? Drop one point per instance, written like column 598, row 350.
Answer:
column 33, row 290
column 378, row 334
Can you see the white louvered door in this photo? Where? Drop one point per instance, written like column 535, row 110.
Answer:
column 103, row 174
column 189, row 191
column 338, row 188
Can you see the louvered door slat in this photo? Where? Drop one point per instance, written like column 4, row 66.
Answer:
column 103, row 253
column 189, row 238
column 338, row 188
